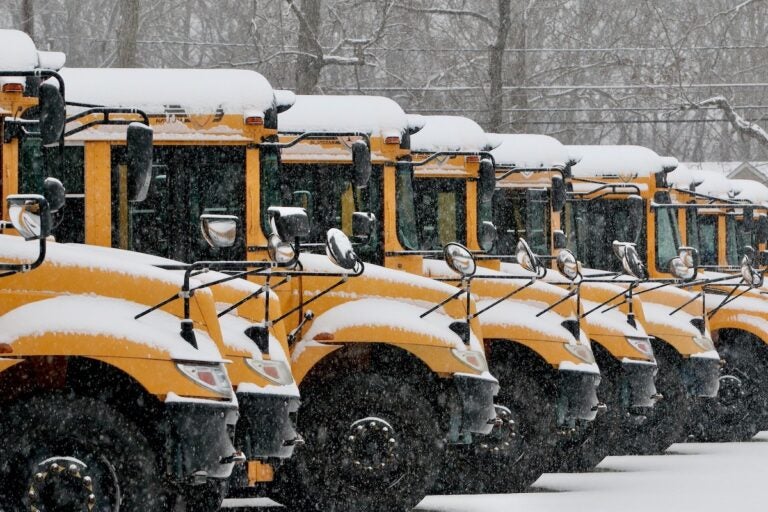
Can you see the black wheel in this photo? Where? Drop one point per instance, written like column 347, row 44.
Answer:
column 373, row 443
column 530, row 393
column 63, row 453
column 469, row 468
column 740, row 409
column 669, row 421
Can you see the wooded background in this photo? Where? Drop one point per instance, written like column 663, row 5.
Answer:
column 583, row 71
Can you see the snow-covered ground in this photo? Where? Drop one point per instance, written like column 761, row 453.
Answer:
column 689, row 477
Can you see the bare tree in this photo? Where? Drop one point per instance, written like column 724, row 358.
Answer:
column 127, row 33
column 28, row 17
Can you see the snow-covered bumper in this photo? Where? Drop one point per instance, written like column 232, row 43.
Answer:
column 267, row 427
column 577, row 397
column 200, row 438
column 475, row 412
column 701, row 375
column 638, row 388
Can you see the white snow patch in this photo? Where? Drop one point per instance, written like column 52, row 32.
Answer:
column 526, row 151
column 197, row 91
column 614, row 161
column 374, row 115
column 388, row 313
column 449, row 133
column 107, row 317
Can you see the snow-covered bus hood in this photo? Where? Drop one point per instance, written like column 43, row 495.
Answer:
column 101, row 316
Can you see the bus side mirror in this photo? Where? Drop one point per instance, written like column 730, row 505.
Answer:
column 761, row 232
column 748, row 218
column 487, row 235
column 361, row 163
column 289, row 223
column 486, row 180
column 363, row 224
column 54, row 193
column 220, row 231
column 53, row 114
column 339, row 249
column 30, row 216
column 558, row 194
column 636, row 210
column 139, row 153
column 559, row 240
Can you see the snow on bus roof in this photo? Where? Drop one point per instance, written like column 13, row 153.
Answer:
column 449, row 133
column 374, row 115
column 528, row 151
column 710, row 183
column 22, row 55
column 167, row 91
column 606, row 161
column 750, row 190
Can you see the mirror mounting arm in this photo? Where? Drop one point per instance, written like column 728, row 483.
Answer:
column 505, row 297
column 314, row 136
column 105, row 120
column 438, row 154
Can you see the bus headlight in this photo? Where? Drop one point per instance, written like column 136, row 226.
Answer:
column 583, row 352
column 210, row 376
column 277, row 372
column 471, row 358
column 642, row 345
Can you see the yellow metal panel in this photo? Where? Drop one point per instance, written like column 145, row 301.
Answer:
column 98, row 197
column 10, row 171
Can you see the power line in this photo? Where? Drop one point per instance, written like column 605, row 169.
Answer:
column 622, row 49
column 591, row 87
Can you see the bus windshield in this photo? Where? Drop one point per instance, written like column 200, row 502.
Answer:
column 441, row 211
column 593, row 226
column 521, row 213
column 736, row 239
column 703, row 234
column 325, row 191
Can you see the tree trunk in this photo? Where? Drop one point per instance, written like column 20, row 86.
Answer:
column 496, row 67
column 309, row 63
column 127, row 33
column 28, row 17
column 520, row 71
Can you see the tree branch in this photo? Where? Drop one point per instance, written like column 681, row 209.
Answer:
column 739, row 123
column 448, row 12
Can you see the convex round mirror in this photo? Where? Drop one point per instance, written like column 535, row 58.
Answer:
column 567, row 264
column 630, row 260
column 526, row 258
column 685, row 265
column 487, row 235
column 280, row 252
column 339, row 249
column 29, row 215
column 219, row 231
column 752, row 276
column 460, row 259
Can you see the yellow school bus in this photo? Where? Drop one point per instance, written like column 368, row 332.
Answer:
column 371, row 339
column 534, row 174
column 549, row 351
column 656, row 223
column 98, row 406
column 728, row 236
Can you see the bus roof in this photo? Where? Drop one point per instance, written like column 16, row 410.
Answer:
column 172, row 91
column 20, row 54
column 375, row 115
column 614, row 161
column 449, row 133
column 710, row 183
column 750, row 190
column 527, row 151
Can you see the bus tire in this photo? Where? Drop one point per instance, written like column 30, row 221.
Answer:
column 373, row 443
column 54, row 443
